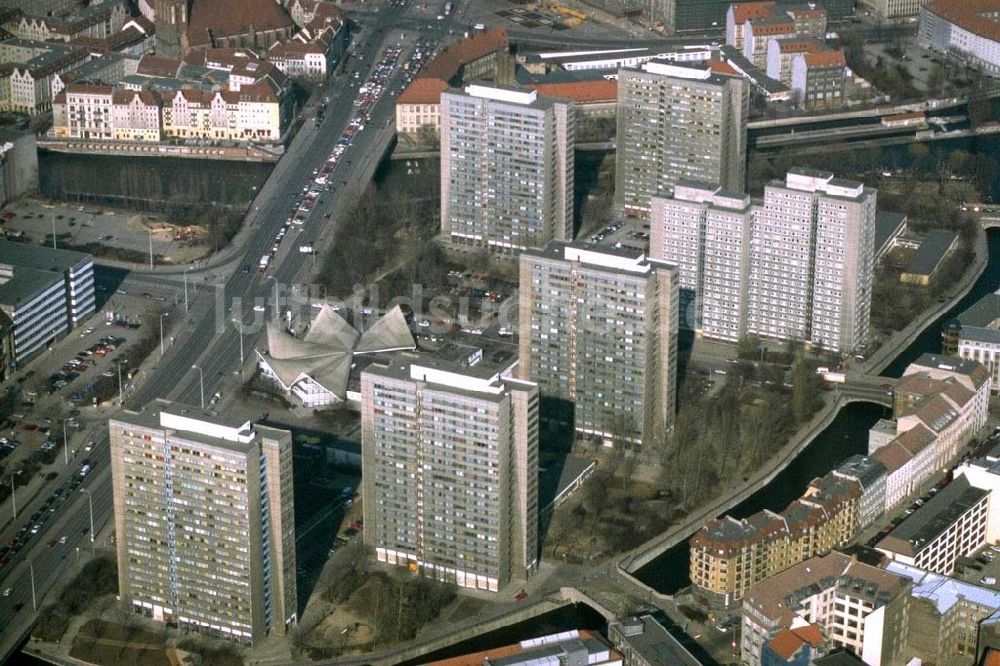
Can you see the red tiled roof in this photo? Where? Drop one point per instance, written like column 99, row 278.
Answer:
column 424, row 90
column 598, row 90
column 722, row 67
column 825, row 59
column 800, row 46
column 125, row 96
column 445, row 64
column 151, row 65
column 88, row 89
column 810, row 634
column 971, row 15
column 748, row 11
column 787, row 642
column 261, row 91
column 992, row 657
column 223, row 18
column 769, row 28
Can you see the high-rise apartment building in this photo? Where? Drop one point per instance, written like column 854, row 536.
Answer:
column 204, row 516
column 598, row 327
column 678, row 122
column 798, row 266
column 450, row 460
column 506, row 168
column 706, row 232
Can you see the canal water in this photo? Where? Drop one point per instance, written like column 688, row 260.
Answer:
column 847, row 435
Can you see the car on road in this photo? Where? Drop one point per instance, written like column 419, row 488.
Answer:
column 258, row 308
column 63, row 539
column 7, row 592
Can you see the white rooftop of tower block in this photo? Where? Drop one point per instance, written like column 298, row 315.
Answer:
column 632, row 264
column 502, row 94
column 677, row 71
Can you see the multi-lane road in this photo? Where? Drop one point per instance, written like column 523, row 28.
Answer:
column 207, row 337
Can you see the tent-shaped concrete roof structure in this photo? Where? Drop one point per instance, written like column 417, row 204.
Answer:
column 316, row 367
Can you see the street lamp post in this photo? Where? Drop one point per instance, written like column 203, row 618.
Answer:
column 186, row 287
column 13, row 492
column 121, row 398
column 150, row 249
column 165, row 314
column 65, row 444
column 277, row 311
column 90, row 504
column 201, row 383
column 240, row 331
column 34, row 602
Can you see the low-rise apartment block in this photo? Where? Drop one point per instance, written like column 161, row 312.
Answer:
column 975, row 335
column 28, row 70
column 952, row 524
column 481, row 57
column 311, row 53
column 730, row 556
column 966, row 29
column 892, row 9
column 643, row 640
column 870, row 474
column 856, row 606
column 98, row 20
column 944, row 615
column 576, row 647
column 940, row 403
column 450, row 462
column 819, row 79
column 204, row 518
column 256, row 112
column 751, row 26
column 598, row 328
column 45, row 293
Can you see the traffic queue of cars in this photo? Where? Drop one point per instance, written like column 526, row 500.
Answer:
column 312, row 192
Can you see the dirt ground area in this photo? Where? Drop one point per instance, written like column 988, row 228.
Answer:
column 104, row 232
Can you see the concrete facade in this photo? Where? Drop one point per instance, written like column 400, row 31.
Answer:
column 450, row 469
column 204, row 515
column 506, row 168
column 598, row 327
column 678, row 122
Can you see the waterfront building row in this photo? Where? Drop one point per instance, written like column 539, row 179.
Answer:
column 940, row 406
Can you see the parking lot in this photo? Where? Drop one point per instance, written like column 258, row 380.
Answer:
column 101, row 231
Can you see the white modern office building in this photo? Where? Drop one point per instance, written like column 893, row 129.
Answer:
column 46, row 292
column 506, row 168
